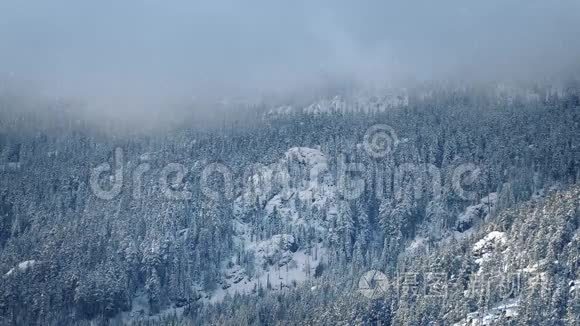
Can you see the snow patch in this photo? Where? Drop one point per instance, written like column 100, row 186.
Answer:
column 492, row 241
column 479, row 212
column 279, row 112
column 280, row 269
column 22, row 267
column 300, row 178
column 485, row 248
column 507, row 310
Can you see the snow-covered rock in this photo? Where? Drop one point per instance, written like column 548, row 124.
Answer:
column 360, row 101
column 417, row 245
column 300, row 178
column 279, row 112
column 485, row 248
column 479, row 212
column 277, row 250
column 22, row 267
column 297, row 182
column 492, row 241
column 279, row 264
column 336, row 104
column 506, row 310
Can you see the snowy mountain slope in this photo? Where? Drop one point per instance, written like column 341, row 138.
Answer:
column 527, row 259
column 298, row 180
column 520, row 267
column 283, row 233
column 280, row 192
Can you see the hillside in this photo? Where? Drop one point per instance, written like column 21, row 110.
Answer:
column 519, row 268
column 239, row 224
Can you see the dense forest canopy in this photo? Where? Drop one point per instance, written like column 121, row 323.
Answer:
column 70, row 256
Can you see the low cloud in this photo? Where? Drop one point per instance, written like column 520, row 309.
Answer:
column 143, row 54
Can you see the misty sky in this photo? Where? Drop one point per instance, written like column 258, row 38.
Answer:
column 176, row 47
